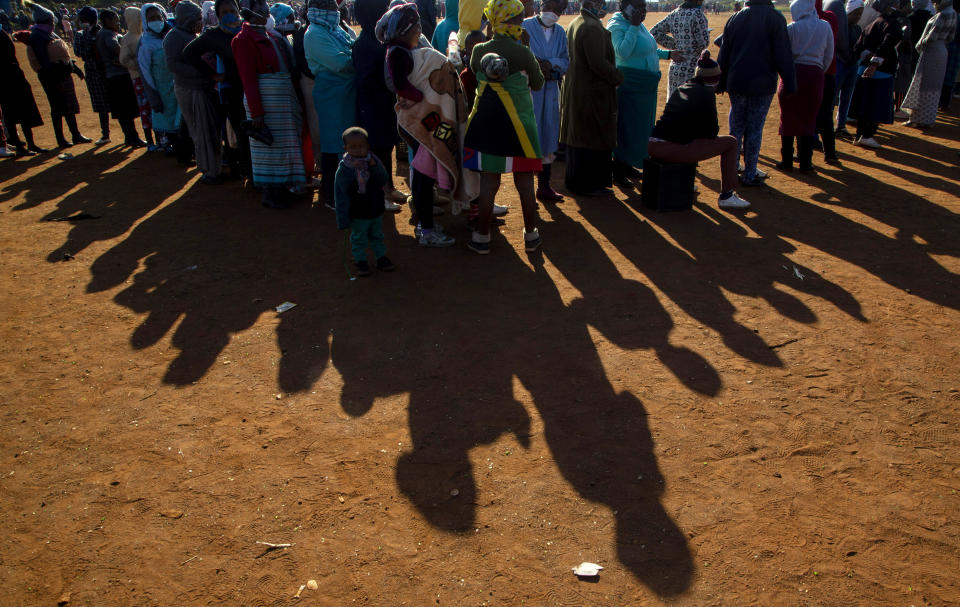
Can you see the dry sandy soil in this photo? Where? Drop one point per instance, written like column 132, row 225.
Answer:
column 757, row 408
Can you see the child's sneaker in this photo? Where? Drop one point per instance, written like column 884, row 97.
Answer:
column 385, row 265
column 433, row 238
column 531, row 245
column 363, row 268
column 397, row 196
column 480, row 248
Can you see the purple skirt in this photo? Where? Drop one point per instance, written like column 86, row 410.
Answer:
column 798, row 113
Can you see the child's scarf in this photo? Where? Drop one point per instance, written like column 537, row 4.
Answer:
column 360, row 165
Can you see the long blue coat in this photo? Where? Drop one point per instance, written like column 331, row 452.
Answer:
column 330, row 58
column 546, row 101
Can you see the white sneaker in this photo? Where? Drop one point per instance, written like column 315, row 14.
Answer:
column 6, row 152
column 734, row 202
column 868, row 142
column 397, row 196
column 761, row 174
column 436, row 239
column 389, row 205
column 418, row 230
column 499, row 209
column 102, row 141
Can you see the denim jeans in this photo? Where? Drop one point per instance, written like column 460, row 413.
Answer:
column 846, row 81
column 748, row 113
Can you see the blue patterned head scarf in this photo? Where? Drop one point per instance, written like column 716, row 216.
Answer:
column 397, row 22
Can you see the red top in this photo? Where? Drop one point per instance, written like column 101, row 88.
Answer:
column 832, row 20
column 255, row 55
column 469, row 82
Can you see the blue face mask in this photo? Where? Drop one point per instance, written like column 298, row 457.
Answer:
column 156, row 26
column 231, row 22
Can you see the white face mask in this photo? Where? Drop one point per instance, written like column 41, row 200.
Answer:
column 549, row 19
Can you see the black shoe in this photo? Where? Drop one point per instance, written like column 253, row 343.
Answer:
column 63, row 143
column 36, row 149
column 210, row 180
column 786, row 167
column 78, row 139
column 24, row 151
column 751, row 183
column 135, row 143
column 832, row 160
column 480, row 248
column 385, row 265
column 532, row 245
column 271, row 202
column 807, row 169
column 363, row 268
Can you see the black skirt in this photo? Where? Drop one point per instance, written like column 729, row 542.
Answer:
column 57, row 83
column 588, row 170
column 123, row 100
column 16, row 99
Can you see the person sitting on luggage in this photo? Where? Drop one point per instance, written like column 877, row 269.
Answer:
column 687, row 132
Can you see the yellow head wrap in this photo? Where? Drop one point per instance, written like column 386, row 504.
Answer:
column 498, row 12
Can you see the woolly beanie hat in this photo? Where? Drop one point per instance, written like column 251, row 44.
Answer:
column 707, row 69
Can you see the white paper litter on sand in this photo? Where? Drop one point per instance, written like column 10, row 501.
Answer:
column 587, row 570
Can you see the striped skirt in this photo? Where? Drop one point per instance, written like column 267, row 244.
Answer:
column 281, row 163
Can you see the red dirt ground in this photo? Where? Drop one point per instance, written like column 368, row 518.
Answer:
column 658, row 393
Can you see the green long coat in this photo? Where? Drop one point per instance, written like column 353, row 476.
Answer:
column 589, row 117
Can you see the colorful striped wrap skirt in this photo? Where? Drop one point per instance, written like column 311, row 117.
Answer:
column 281, row 163
column 502, row 132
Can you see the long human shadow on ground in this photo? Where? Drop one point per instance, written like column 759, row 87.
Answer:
column 213, row 261
column 504, row 322
column 112, row 200
column 718, row 257
column 57, row 178
column 452, row 330
column 119, row 198
column 901, row 261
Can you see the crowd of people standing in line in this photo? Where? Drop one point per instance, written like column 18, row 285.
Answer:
column 274, row 95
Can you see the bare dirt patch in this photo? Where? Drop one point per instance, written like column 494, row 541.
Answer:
column 662, row 394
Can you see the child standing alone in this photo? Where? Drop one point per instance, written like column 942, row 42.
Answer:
column 358, row 193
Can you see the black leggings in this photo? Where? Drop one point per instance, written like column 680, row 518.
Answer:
column 825, row 118
column 58, row 120
column 385, row 154
column 866, row 128
column 804, row 150
column 15, row 138
column 544, row 175
column 422, row 189
column 328, row 169
column 105, row 125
